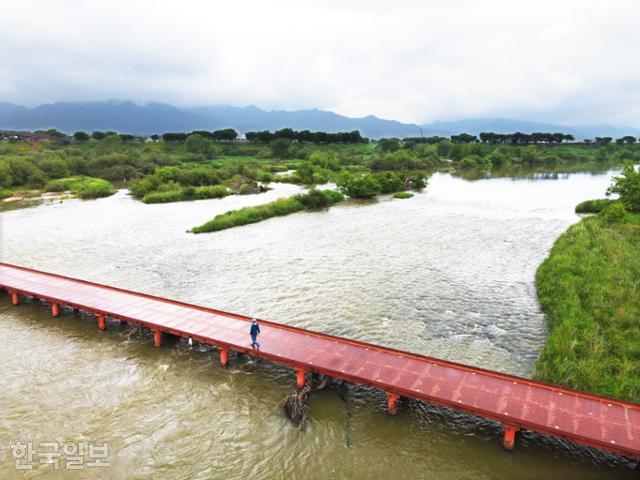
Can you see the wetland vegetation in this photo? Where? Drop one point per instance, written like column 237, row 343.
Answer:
column 176, row 166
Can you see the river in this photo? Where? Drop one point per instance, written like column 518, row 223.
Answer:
column 448, row 273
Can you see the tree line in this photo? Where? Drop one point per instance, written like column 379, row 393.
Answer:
column 222, row 135
column 353, row 137
column 517, row 138
column 266, row 136
column 230, row 134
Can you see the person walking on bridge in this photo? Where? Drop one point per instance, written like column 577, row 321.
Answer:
column 255, row 330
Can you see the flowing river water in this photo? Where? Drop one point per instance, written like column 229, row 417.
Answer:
column 448, row 273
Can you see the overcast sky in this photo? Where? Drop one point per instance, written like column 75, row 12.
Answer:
column 566, row 61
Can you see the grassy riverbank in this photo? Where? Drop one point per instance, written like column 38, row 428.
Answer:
column 313, row 200
column 589, row 288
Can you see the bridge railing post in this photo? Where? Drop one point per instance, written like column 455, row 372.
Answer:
column 509, row 437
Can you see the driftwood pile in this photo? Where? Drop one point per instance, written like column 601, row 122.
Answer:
column 296, row 406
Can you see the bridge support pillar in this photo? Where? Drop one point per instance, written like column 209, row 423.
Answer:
column 392, row 403
column 102, row 322
column 300, row 377
column 157, row 338
column 15, row 297
column 55, row 309
column 509, row 437
column 224, row 357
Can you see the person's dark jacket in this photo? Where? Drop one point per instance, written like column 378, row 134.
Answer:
column 255, row 329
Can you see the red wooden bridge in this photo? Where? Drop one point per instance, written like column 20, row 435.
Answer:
column 517, row 403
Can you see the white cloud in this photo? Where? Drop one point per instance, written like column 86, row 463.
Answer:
column 569, row 61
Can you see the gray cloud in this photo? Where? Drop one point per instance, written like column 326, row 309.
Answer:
column 570, row 61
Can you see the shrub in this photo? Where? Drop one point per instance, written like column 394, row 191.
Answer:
column 82, row 187
column 215, row 191
column 614, row 213
column 402, row 195
column 163, row 197
column 95, row 188
column 389, row 182
column 475, row 161
column 319, row 199
column 60, row 185
column 359, row 186
column 245, row 189
column 187, row 193
column 417, row 182
column 399, row 160
column 593, row 206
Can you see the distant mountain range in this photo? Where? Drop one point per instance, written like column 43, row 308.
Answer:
column 128, row 117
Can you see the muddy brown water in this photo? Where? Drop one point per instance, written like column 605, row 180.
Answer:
column 448, row 273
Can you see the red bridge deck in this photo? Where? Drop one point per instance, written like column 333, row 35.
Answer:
column 515, row 402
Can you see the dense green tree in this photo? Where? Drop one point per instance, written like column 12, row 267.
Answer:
column 174, row 137
column 225, row 135
column 464, row 138
column 6, row 179
column 22, row 172
column 280, row 147
column 286, row 133
column 388, row 145
column 81, row 136
column 196, row 143
column 627, row 185
column 444, row 148
column 109, row 144
column 55, row 167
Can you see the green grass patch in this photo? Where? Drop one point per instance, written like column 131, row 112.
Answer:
column 314, row 199
column 593, row 206
column 82, row 187
column 187, row 193
column 402, row 195
column 588, row 287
